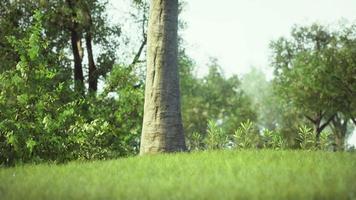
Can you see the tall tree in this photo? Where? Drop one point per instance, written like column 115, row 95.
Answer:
column 77, row 49
column 162, row 122
column 92, row 74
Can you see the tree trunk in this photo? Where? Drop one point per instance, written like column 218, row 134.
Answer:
column 353, row 120
column 77, row 50
column 339, row 128
column 318, row 126
column 78, row 55
column 93, row 75
column 162, row 122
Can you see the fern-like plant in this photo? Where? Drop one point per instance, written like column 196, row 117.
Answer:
column 195, row 141
column 306, row 138
column 215, row 136
column 273, row 139
column 325, row 140
column 245, row 136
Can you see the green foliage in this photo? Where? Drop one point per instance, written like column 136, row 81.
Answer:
column 325, row 140
column 195, row 141
column 29, row 95
column 307, row 138
column 314, row 73
column 215, row 137
column 43, row 119
column 245, row 136
column 213, row 97
column 273, row 139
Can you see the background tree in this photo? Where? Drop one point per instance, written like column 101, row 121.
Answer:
column 313, row 75
column 212, row 97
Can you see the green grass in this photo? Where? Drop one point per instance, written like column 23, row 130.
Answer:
column 264, row 174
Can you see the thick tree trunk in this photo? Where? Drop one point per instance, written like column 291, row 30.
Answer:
column 162, row 122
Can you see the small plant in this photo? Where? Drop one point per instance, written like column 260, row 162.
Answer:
column 215, row 136
column 306, row 138
column 325, row 140
column 245, row 136
column 195, row 141
column 273, row 139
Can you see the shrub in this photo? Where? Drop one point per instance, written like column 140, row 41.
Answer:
column 306, row 138
column 325, row 140
column 215, row 137
column 246, row 136
column 273, row 139
column 195, row 141
column 43, row 119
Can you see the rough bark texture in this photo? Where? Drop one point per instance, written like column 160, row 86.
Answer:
column 162, row 123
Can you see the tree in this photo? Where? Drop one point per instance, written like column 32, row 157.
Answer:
column 41, row 116
column 314, row 74
column 213, row 98
column 77, row 48
column 162, row 122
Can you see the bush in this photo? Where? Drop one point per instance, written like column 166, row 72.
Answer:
column 195, row 141
column 215, row 138
column 43, row 119
column 273, row 139
column 306, row 138
column 246, row 136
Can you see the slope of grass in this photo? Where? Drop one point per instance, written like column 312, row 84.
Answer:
column 264, row 174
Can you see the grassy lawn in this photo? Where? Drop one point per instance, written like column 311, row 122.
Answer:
column 264, row 174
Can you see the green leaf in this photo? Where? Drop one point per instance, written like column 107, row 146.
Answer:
column 30, row 144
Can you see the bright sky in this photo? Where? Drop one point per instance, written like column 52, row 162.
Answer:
column 238, row 32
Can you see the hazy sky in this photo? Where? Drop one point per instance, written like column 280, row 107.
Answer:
column 237, row 32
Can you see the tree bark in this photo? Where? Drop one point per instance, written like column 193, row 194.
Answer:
column 339, row 128
column 77, row 50
column 162, row 122
column 77, row 54
column 318, row 126
column 353, row 120
column 93, row 75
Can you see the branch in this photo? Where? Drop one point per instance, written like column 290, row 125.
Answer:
column 327, row 122
column 353, row 120
column 139, row 52
column 144, row 41
column 311, row 119
column 346, row 87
